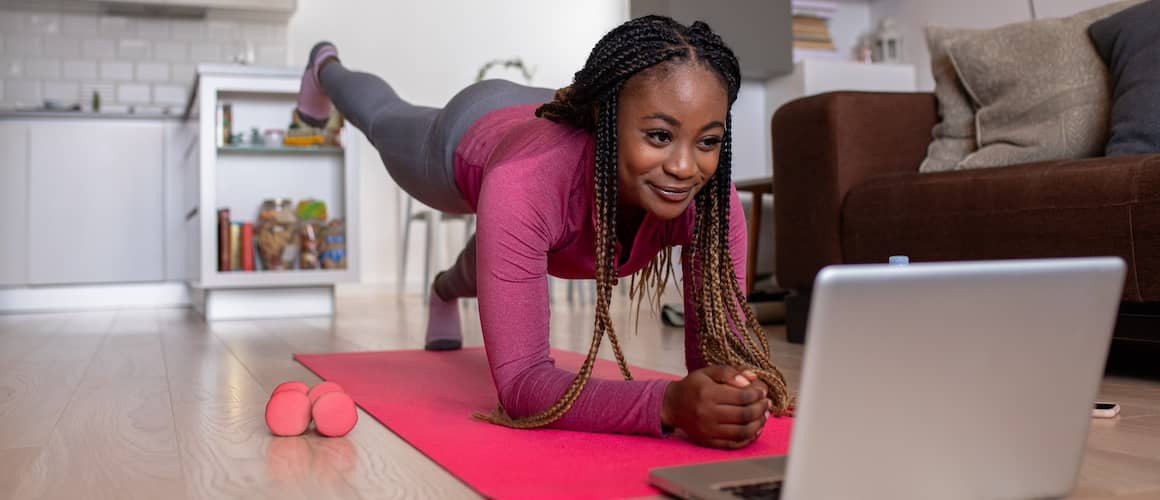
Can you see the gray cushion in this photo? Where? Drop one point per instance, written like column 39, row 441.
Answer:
column 1129, row 42
column 954, row 135
column 1039, row 88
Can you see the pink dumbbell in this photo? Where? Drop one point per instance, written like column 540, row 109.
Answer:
column 288, row 411
column 292, row 406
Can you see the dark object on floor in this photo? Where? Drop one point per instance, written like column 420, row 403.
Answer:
column 673, row 315
column 444, row 345
column 767, row 296
column 1132, row 358
column 797, row 309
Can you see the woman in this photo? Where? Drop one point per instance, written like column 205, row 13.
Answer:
column 599, row 180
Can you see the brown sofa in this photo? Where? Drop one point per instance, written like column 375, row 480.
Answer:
column 847, row 190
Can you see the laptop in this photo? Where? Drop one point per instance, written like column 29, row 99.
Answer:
column 943, row 380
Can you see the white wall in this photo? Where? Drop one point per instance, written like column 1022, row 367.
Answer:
column 913, row 15
column 430, row 50
column 850, row 22
column 750, row 132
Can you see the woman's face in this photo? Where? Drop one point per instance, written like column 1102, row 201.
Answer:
column 670, row 126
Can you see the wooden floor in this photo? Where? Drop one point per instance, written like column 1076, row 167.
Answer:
column 157, row 404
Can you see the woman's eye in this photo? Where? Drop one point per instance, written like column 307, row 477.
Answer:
column 660, row 136
column 710, row 142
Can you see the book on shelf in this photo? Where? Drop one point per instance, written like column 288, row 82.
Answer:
column 223, row 222
column 810, row 32
column 812, row 38
column 235, row 246
column 810, row 24
column 247, row 246
column 807, row 45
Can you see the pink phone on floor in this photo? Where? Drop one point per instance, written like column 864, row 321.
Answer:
column 1105, row 410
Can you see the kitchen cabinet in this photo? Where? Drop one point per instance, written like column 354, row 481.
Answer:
column 255, row 10
column 13, row 203
column 95, row 203
column 273, row 10
column 254, row 5
column 181, row 191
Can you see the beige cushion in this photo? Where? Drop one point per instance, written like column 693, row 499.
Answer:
column 1039, row 88
column 954, row 135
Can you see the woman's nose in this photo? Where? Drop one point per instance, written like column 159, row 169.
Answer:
column 681, row 165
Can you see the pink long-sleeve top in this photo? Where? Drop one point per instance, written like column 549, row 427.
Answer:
column 531, row 184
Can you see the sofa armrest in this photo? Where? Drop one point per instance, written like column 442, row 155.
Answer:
column 822, row 146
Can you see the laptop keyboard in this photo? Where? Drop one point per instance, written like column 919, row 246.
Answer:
column 765, row 491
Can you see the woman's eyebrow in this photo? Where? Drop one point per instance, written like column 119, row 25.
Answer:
column 677, row 123
column 665, row 118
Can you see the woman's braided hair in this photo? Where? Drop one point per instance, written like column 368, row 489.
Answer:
column 590, row 103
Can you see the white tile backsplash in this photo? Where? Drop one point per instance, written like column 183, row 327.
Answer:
column 79, row 70
column 59, row 46
column 133, row 93
column 222, row 30
column 11, row 67
column 117, row 71
column 171, row 51
column 13, row 21
column 45, row 68
column 188, row 30
column 134, row 48
column 65, row 92
column 116, row 26
column 22, row 92
column 79, row 25
column 170, row 94
column 44, row 24
column 258, row 31
column 182, row 74
column 154, row 29
column 138, row 62
column 23, row 44
column 205, row 52
column 152, row 72
column 99, row 49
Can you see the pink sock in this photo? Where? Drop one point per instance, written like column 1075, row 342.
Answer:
column 313, row 103
column 443, row 331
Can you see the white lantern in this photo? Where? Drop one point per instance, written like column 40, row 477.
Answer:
column 887, row 43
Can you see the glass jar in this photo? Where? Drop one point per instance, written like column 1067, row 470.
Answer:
column 277, row 235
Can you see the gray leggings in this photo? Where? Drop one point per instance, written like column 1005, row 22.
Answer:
column 417, row 143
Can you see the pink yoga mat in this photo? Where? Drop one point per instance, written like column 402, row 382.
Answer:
column 428, row 398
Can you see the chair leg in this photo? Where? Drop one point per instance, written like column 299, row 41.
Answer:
column 406, row 245
column 432, row 221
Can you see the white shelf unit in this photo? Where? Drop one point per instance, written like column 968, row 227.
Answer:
column 242, row 177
